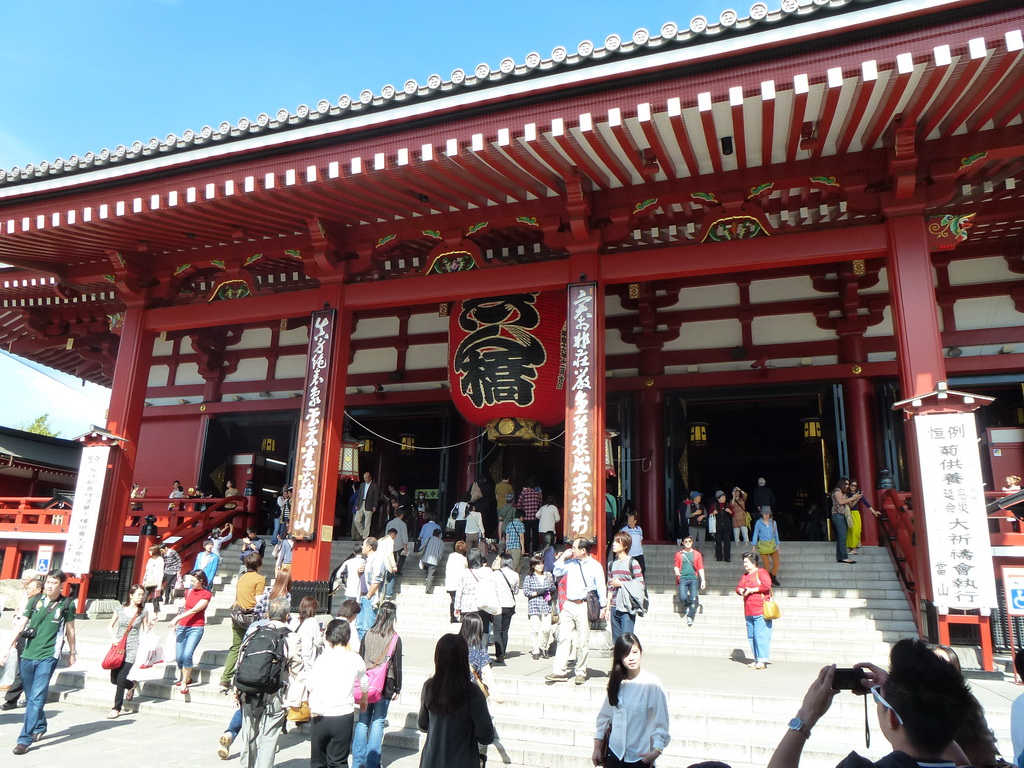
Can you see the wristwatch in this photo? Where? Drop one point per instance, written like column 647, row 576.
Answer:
column 796, row 724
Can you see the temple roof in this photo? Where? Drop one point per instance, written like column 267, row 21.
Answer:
column 819, row 117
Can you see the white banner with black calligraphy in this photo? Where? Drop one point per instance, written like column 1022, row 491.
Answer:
column 85, row 515
column 959, row 547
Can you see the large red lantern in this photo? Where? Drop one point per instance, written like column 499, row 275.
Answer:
column 506, row 363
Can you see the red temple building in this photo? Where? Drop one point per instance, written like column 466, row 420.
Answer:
column 779, row 224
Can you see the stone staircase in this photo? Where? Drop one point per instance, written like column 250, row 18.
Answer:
column 720, row 708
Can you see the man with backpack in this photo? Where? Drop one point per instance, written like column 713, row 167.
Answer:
column 260, row 680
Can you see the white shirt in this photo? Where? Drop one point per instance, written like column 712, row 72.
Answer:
column 386, row 551
column 506, row 582
column 351, row 577
column 640, row 721
column 474, row 522
column 547, row 516
column 581, row 576
column 453, row 568
column 332, row 681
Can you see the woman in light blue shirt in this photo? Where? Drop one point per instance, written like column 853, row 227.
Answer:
column 765, row 541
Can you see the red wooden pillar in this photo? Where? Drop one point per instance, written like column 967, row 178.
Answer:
column 311, row 560
column 124, row 419
column 919, row 349
column 12, row 559
column 651, row 430
column 914, row 308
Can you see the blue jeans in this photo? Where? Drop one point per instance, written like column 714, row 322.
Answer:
column 185, row 641
column 759, row 633
column 389, row 585
column 688, row 597
column 236, row 724
column 35, row 676
column 278, row 532
column 367, row 616
column 368, row 734
column 622, row 623
column 840, row 527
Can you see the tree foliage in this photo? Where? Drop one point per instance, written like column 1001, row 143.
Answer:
column 40, row 425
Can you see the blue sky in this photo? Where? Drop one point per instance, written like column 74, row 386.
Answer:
column 80, row 76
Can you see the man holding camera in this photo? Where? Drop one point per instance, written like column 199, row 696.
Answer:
column 32, row 581
column 919, row 704
column 45, row 617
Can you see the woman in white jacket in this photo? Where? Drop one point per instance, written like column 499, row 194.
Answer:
column 632, row 726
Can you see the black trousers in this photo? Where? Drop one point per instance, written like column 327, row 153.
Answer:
column 330, row 741
column 501, row 624
column 723, row 544
column 532, row 538
column 119, row 677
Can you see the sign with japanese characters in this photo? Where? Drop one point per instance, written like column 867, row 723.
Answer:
column 584, row 469
column 92, row 473
column 959, row 546
column 507, row 358
column 312, row 427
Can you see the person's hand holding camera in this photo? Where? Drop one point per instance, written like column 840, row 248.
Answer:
column 819, row 697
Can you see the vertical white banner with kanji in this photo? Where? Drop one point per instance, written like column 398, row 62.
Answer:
column 959, row 547
column 86, row 511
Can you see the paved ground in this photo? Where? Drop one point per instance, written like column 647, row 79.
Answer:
column 81, row 734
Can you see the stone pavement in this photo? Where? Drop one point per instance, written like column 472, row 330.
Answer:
column 165, row 732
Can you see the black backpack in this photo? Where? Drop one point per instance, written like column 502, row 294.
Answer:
column 262, row 661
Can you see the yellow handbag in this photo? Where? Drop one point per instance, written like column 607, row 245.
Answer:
column 299, row 714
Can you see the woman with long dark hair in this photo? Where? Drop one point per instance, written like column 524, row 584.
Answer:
column 632, row 726
column 128, row 619
column 453, row 710
column 380, row 643
column 480, row 669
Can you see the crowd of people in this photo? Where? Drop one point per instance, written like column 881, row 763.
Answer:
column 340, row 674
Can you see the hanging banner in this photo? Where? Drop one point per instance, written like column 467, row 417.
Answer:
column 92, row 474
column 584, row 470
column 312, row 427
column 959, row 547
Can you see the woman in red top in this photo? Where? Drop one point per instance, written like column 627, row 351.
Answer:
column 190, row 626
column 753, row 586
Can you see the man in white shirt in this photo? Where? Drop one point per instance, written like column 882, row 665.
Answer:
column 401, row 529
column 371, row 583
column 386, row 548
column 582, row 574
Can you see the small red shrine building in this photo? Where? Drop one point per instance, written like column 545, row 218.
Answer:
column 791, row 220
